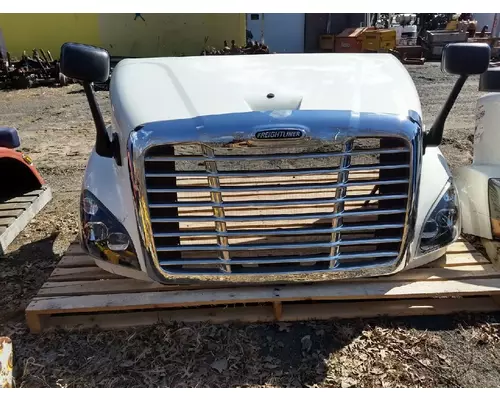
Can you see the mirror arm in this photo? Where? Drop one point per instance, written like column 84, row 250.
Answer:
column 434, row 136
column 103, row 146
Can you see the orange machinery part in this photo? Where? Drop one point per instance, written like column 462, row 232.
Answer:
column 23, row 159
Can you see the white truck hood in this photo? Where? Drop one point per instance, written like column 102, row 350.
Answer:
column 160, row 89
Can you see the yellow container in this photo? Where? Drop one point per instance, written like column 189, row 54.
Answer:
column 380, row 39
column 327, row 42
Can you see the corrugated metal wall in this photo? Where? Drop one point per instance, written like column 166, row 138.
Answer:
column 138, row 35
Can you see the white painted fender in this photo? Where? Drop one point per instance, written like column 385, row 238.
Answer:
column 472, row 187
column 434, row 177
column 472, row 180
column 111, row 185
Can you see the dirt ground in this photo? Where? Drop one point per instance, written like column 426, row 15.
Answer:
column 56, row 130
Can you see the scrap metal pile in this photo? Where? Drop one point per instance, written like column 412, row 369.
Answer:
column 38, row 70
column 252, row 47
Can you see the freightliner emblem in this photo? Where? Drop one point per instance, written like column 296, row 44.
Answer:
column 279, row 134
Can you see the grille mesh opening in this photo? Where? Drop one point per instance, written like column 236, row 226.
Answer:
column 276, row 209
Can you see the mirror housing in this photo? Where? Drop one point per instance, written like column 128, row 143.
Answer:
column 9, row 138
column 85, row 63
column 461, row 59
column 490, row 80
column 90, row 64
column 465, row 58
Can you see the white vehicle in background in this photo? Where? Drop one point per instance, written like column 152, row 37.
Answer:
column 318, row 167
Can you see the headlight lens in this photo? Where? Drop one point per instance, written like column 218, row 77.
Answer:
column 494, row 200
column 442, row 223
column 103, row 235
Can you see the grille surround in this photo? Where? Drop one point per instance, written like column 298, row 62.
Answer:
column 405, row 130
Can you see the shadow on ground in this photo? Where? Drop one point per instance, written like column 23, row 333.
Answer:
column 22, row 273
column 416, row 352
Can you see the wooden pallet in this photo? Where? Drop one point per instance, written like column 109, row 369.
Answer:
column 79, row 294
column 16, row 214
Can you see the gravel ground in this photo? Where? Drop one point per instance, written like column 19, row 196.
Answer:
column 57, row 131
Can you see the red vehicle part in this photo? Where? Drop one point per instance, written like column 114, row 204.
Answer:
column 18, row 174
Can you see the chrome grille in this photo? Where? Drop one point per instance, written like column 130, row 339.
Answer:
column 268, row 208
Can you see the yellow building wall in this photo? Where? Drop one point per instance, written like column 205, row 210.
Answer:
column 122, row 34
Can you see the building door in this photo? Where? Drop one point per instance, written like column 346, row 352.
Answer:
column 283, row 33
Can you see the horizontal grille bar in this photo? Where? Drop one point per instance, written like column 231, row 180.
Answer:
column 280, row 260
column 271, row 203
column 279, row 232
column 290, row 156
column 238, row 189
column 279, row 246
column 281, row 172
column 281, row 217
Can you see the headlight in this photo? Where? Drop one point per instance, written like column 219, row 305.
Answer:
column 494, row 200
column 103, row 235
column 441, row 225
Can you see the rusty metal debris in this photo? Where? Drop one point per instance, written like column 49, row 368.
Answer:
column 38, row 70
column 252, row 47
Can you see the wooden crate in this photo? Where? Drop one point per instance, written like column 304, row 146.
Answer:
column 16, row 214
column 79, row 294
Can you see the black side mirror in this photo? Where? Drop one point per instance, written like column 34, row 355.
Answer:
column 466, row 58
column 9, row 138
column 91, row 64
column 85, row 63
column 461, row 59
column 490, row 80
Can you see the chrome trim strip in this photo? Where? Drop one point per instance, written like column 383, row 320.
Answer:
column 282, row 172
column 339, row 214
column 287, row 156
column 282, row 232
column 279, row 260
column 218, row 211
column 238, row 130
column 338, row 208
column 272, row 203
column 279, row 246
column 262, row 188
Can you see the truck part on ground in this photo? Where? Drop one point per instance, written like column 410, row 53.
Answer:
column 19, row 175
column 303, row 172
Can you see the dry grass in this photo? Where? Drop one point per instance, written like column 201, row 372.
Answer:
column 396, row 353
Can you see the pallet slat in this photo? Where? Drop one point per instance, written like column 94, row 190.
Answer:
column 290, row 312
column 14, row 217
column 78, row 287
column 336, row 291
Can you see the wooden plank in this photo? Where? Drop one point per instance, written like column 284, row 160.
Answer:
column 80, row 274
column 10, row 213
column 75, row 288
column 460, row 246
column 144, row 318
column 26, row 197
column 126, row 285
column 321, row 291
column 14, row 206
column 15, row 227
column 6, row 221
column 72, row 261
column 264, row 313
column 74, row 249
column 34, row 321
column 458, row 259
column 392, row 308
